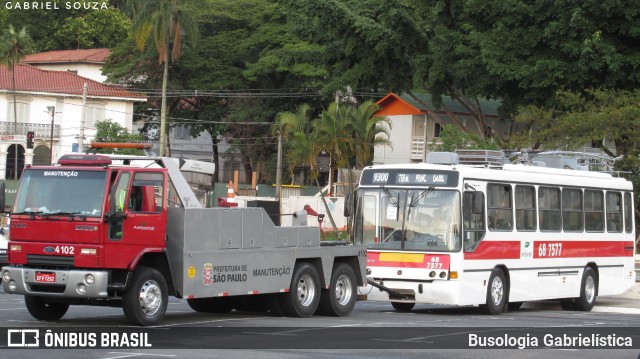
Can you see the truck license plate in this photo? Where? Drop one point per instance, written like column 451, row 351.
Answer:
column 45, row 277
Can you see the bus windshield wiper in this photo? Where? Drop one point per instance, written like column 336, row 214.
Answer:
column 415, row 201
column 391, row 199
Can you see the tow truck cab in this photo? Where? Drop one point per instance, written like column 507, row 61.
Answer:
column 70, row 218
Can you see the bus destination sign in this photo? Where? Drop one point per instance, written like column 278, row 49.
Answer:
column 404, row 177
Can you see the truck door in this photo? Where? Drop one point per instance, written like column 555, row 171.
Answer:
column 139, row 216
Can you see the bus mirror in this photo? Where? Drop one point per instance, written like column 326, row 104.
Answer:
column 478, row 202
column 349, row 203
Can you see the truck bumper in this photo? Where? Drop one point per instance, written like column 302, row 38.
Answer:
column 88, row 284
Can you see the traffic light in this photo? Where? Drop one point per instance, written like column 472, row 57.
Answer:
column 30, row 136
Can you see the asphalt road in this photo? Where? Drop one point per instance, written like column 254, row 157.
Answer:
column 373, row 330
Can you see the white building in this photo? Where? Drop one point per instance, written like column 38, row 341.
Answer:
column 36, row 92
column 84, row 62
column 416, row 123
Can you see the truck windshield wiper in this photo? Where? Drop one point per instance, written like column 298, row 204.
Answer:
column 71, row 215
column 32, row 214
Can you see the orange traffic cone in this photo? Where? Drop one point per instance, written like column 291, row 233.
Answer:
column 230, row 194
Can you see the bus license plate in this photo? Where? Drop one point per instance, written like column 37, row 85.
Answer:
column 42, row 277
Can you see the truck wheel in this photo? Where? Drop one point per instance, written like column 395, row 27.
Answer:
column 403, row 306
column 588, row 291
column 145, row 302
column 304, row 293
column 340, row 298
column 40, row 309
column 496, row 293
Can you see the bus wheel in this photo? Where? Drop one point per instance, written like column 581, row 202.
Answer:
column 496, row 290
column 340, row 298
column 403, row 306
column 145, row 302
column 304, row 293
column 587, row 291
column 40, row 309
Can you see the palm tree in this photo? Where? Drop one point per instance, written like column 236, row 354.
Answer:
column 293, row 126
column 13, row 47
column 369, row 130
column 166, row 22
column 334, row 137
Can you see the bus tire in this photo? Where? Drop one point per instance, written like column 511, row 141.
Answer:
column 340, row 298
column 588, row 290
column 40, row 309
column 145, row 301
column 304, row 292
column 496, row 293
column 403, row 306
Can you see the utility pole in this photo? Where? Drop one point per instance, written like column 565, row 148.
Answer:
column 279, row 167
column 52, row 112
column 82, row 118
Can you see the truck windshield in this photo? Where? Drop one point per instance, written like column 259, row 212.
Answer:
column 422, row 220
column 64, row 192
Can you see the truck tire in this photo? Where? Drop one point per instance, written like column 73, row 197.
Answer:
column 211, row 305
column 304, row 293
column 588, row 290
column 145, row 302
column 340, row 298
column 496, row 293
column 40, row 309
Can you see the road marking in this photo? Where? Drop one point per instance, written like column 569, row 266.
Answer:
column 129, row 355
column 617, row 310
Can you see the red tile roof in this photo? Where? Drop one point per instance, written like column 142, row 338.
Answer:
column 32, row 79
column 85, row 55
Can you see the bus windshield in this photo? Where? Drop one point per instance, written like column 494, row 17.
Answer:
column 64, row 192
column 415, row 219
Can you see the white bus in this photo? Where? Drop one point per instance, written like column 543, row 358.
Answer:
column 494, row 237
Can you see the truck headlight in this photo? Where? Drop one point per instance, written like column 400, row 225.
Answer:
column 89, row 279
column 6, row 276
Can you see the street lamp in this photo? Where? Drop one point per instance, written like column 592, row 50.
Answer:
column 52, row 112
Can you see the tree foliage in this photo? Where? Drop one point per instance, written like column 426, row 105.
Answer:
column 68, row 29
column 109, row 131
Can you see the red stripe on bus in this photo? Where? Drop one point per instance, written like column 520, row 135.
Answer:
column 552, row 249
column 495, row 250
column 578, row 249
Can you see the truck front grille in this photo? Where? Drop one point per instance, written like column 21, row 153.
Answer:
column 43, row 260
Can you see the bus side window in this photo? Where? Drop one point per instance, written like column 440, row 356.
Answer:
column 549, row 207
column 474, row 228
column 614, row 212
column 499, row 207
column 628, row 213
column 593, row 211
